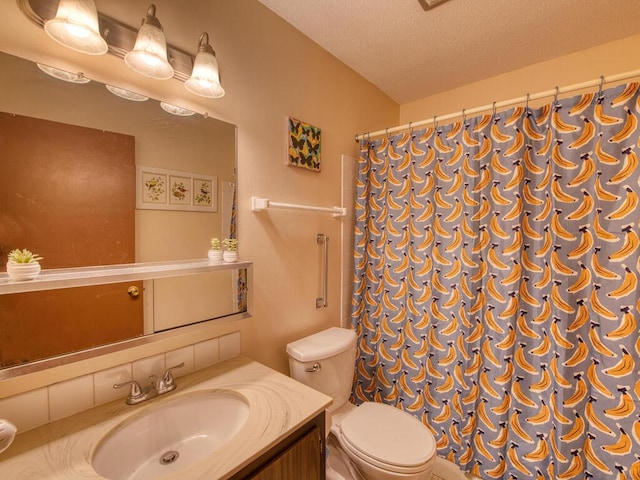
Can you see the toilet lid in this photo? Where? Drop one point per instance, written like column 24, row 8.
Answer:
column 388, row 435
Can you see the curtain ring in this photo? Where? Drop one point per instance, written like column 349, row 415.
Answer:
column 410, row 129
column 601, row 85
column 555, row 97
column 526, row 105
column 493, row 110
column 435, row 122
column 386, row 131
column 464, row 116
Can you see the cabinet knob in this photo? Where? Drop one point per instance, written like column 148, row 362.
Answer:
column 133, row 291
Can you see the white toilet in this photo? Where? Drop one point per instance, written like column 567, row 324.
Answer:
column 381, row 441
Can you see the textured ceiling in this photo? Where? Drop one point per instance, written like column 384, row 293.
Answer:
column 410, row 54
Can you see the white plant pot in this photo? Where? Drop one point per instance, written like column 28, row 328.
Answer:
column 230, row 257
column 23, row 271
column 215, row 255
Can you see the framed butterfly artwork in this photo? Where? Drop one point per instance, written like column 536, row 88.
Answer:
column 303, row 145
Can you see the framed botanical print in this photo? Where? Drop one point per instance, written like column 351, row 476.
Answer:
column 161, row 189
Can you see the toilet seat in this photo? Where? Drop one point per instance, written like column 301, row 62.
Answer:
column 388, row 438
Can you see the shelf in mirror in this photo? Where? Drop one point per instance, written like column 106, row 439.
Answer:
column 99, row 275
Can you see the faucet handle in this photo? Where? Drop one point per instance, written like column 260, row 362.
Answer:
column 135, row 391
column 167, row 382
column 168, row 376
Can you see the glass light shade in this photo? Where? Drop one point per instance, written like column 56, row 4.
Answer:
column 175, row 110
column 205, row 77
column 63, row 74
column 76, row 26
column 149, row 54
column 127, row 94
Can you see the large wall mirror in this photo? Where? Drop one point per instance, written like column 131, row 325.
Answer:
column 69, row 154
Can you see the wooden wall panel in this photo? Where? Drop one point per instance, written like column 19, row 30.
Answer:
column 68, row 194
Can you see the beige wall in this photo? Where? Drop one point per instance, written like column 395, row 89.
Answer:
column 607, row 59
column 269, row 70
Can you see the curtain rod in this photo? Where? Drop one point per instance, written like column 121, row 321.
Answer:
column 505, row 103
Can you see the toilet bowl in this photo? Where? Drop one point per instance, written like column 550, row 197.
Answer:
column 385, row 442
column 381, row 441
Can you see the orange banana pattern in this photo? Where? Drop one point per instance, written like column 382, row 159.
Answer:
column 496, row 286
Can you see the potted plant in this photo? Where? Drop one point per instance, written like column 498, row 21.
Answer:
column 215, row 252
column 22, row 264
column 230, row 253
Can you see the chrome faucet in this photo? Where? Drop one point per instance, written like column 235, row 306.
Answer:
column 156, row 387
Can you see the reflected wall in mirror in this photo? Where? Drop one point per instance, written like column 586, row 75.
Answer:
column 95, row 221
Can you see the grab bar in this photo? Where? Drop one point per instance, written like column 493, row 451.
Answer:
column 321, row 239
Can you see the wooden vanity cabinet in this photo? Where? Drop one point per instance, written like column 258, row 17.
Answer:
column 300, row 456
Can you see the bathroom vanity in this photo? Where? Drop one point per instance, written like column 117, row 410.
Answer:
column 300, row 455
column 281, row 438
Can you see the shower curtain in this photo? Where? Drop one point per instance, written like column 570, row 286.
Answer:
column 495, row 291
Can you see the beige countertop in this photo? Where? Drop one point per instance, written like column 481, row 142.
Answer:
column 278, row 405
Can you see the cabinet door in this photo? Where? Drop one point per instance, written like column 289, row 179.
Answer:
column 302, row 460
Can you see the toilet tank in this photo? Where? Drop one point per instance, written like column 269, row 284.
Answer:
column 325, row 361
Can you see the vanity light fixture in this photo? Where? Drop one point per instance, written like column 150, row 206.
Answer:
column 144, row 50
column 175, row 110
column 76, row 26
column 149, row 55
column 63, row 74
column 205, row 77
column 126, row 94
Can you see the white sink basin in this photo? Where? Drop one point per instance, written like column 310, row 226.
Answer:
column 170, row 436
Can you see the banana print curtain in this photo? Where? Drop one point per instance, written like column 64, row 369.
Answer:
column 496, row 286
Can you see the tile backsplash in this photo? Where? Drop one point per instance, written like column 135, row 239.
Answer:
column 31, row 409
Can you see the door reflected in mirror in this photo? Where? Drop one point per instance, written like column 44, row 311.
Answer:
column 68, row 181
